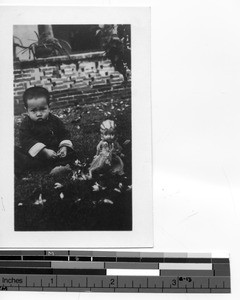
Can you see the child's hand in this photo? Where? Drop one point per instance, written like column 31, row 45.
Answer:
column 62, row 152
column 49, row 153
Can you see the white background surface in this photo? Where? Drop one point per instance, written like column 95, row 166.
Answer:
column 196, row 141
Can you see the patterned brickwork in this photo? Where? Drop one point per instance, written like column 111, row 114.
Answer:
column 71, row 83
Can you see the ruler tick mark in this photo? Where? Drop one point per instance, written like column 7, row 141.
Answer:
column 43, row 281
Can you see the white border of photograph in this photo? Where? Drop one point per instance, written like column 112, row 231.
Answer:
column 142, row 232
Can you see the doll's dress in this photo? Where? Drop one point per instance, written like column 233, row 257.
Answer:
column 116, row 164
column 102, row 158
column 107, row 158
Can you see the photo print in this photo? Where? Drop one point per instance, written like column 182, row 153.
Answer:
column 76, row 127
column 72, row 104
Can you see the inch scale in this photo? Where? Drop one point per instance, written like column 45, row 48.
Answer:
column 105, row 271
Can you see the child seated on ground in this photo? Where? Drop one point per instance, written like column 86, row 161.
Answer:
column 108, row 153
column 43, row 137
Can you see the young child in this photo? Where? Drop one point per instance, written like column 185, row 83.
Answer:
column 108, row 151
column 43, row 137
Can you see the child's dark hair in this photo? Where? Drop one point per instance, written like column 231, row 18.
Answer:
column 35, row 92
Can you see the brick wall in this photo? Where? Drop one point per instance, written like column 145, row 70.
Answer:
column 79, row 79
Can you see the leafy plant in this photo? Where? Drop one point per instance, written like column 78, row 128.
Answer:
column 115, row 40
column 44, row 46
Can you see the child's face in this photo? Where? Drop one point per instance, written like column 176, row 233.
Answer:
column 38, row 109
column 108, row 137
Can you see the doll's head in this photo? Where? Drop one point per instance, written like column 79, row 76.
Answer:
column 107, row 130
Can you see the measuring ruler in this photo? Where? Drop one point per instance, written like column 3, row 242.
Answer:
column 105, row 271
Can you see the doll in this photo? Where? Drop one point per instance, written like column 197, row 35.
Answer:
column 108, row 153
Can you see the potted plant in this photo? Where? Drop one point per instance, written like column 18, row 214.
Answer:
column 45, row 46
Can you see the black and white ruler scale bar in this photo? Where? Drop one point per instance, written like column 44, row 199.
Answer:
column 108, row 271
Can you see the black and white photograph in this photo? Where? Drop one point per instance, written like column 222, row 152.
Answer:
column 77, row 125
column 72, row 105
column 120, row 134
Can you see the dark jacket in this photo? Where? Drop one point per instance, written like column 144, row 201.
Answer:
column 50, row 132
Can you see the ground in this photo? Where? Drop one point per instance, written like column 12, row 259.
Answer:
column 44, row 202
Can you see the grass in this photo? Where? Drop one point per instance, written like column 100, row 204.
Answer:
column 102, row 203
